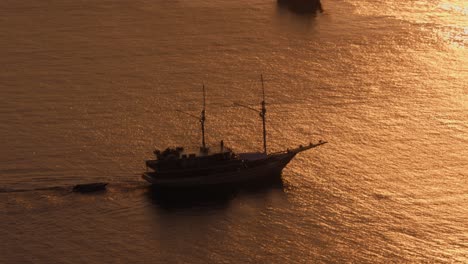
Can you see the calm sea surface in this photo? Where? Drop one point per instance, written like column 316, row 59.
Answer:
column 89, row 88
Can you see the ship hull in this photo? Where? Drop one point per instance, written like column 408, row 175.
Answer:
column 269, row 169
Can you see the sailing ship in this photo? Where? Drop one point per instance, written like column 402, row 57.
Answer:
column 175, row 168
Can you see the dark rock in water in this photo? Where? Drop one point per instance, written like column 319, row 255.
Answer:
column 90, row 187
column 301, row 6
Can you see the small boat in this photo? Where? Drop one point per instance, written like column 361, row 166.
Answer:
column 90, row 187
column 175, row 168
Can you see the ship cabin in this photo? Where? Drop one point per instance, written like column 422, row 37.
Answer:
column 177, row 159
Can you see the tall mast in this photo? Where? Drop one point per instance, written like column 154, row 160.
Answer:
column 202, row 120
column 263, row 116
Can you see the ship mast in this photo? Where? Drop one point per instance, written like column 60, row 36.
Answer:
column 202, row 121
column 263, row 116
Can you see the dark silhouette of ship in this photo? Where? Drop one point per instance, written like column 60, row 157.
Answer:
column 174, row 168
column 301, row 6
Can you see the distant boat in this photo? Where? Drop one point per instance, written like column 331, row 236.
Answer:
column 90, row 187
column 174, row 168
column 301, row 6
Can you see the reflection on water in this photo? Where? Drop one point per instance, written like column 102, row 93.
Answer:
column 208, row 197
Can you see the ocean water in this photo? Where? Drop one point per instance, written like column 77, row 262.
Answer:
column 89, row 88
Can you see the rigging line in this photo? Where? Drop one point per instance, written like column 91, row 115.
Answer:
column 191, row 115
column 245, row 106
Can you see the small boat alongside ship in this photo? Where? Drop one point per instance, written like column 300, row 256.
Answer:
column 176, row 168
column 90, row 187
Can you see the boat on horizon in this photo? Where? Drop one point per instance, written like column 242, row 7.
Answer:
column 301, row 6
column 176, row 168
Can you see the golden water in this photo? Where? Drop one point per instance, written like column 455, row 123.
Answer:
column 89, row 88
